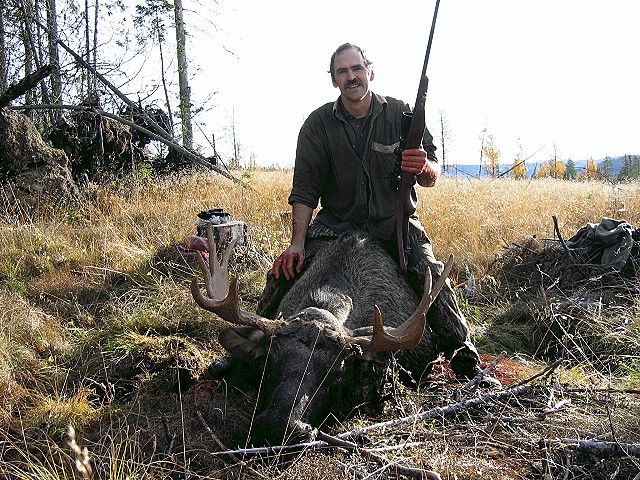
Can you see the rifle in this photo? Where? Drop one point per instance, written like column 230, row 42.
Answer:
column 412, row 130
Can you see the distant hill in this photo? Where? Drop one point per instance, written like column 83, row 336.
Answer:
column 474, row 170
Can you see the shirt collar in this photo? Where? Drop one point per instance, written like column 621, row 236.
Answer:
column 377, row 104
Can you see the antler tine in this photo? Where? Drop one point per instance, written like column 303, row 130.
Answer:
column 213, row 249
column 409, row 333
column 435, row 290
column 223, row 296
column 228, row 309
column 227, row 254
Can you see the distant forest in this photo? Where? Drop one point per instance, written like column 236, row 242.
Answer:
column 622, row 168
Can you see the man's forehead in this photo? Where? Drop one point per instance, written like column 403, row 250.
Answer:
column 348, row 58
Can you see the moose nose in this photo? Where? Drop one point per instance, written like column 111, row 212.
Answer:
column 269, row 431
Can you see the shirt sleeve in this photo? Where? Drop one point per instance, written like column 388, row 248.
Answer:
column 311, row 165
column 427, row 144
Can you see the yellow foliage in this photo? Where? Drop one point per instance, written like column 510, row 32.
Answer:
column 492, row 157
column 553, row 168
column 519, row 168
column 591, row 170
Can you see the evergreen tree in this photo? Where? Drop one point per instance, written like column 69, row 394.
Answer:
column 570, row 171
column 630, row 168
column 606, row 168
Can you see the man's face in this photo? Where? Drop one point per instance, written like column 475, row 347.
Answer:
column 351, row 75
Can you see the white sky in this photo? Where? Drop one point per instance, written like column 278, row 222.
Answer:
column 534, row 73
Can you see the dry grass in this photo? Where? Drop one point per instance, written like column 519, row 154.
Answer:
column 474, row 219
column 98, row 329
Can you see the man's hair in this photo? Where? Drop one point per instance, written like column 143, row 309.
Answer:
column 342, row 48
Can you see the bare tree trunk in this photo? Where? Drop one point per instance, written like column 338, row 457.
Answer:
column 31, row 44
column 183, row 78
column 54, row 57
column 442, row 140
column 29, row 98
column 3, row 50
column 87, row 45
column 482, row 151
column 235, row 162
column 94, row 84
column 164, row 78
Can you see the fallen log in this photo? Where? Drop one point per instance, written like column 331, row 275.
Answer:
column 23, row 86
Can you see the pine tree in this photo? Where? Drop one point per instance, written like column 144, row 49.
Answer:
column 570, row 171
column 606, row 168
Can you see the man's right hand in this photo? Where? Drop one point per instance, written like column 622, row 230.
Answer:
column 289, row 262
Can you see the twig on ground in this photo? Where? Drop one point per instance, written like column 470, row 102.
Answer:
column 560, row 239
column 475, row 381
column 444, row 411
column 597, row 447
column 544, row 373
column 384, row 462
column 632, row 391
column 222, row 445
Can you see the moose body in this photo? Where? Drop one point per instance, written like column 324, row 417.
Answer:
column 327, row 353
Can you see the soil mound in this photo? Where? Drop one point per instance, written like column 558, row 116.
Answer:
column 33, row 174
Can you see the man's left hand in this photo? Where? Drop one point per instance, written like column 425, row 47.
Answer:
column 414, row 160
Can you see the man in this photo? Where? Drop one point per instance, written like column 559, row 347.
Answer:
column 345, row 158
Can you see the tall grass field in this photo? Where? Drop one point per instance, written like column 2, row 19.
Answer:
column 98, row 332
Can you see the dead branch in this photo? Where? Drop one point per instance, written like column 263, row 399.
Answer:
column 472, row 384
column 543, row 373
column 24, row 85
column 597, row 447
column 384, row 462
column 630, row 391
column 439, row 412
column 78, row 58
column 560, row 239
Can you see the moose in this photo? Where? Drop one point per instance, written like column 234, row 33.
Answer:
column 327, row 353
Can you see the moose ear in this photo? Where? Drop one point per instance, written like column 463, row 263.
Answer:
column 243, row 342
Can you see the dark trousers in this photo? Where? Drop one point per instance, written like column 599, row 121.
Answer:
column 448, row 324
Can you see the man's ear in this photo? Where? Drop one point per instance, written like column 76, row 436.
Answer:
column 371, row 75
column 335, row 85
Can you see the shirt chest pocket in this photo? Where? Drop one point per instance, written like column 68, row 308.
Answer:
column 383, row 159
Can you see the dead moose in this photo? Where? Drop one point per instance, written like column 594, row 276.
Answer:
column 328, row 352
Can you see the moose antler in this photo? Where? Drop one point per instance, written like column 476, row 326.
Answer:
column 408, row 334
column 223, row 296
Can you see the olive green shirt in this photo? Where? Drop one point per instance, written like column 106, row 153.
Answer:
column 355, row 194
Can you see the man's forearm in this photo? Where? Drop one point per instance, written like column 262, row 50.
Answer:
column 300, row 219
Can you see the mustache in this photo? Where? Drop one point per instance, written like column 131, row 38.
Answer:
column 353, row 83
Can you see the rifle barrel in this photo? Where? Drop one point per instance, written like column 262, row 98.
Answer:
column 433, row 28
